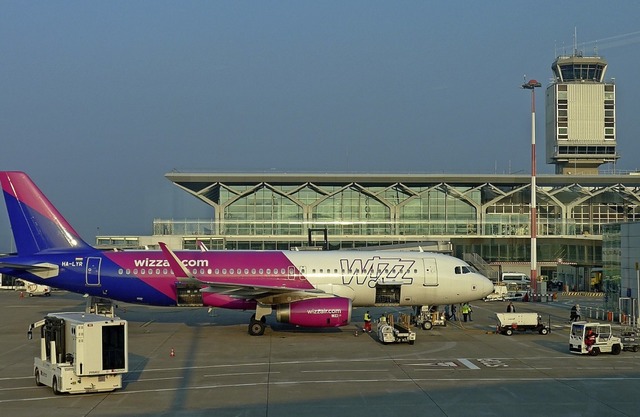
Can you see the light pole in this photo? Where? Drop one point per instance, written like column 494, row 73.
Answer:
column 531, row 85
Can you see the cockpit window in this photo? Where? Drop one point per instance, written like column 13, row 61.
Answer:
column 462, row 270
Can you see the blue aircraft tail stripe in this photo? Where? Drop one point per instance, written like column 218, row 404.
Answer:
column 36, row 223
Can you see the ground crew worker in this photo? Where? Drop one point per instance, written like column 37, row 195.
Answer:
column 511, row 308
column 590, row 339
column 466, row 309
column 575, row 313
column 367, row 322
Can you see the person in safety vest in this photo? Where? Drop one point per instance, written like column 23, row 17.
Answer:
column 466, row 311
column 367, row 322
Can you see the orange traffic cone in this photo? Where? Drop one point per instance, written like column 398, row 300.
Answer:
column 172, row 353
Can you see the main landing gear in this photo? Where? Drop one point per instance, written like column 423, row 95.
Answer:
column 257, row 325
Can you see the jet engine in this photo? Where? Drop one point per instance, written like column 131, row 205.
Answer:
column 316, row 312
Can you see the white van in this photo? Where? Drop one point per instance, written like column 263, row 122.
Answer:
column 516, row 278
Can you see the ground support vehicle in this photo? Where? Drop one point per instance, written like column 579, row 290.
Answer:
column 390, row 331
column 426, row 317
column 603, row 340
column 81, row 352
column 508, row 323
column 36, row 289
column 499, row 293
column 630, row 340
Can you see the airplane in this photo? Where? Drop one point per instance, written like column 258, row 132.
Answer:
column 305, row 288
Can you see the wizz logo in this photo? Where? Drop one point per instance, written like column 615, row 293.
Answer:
column 377, row 269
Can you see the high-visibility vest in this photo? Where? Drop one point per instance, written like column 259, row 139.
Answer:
column 367, row 317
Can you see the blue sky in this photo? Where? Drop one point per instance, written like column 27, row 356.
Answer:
column 98, row 100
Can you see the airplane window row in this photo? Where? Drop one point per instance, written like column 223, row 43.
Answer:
column 357, row 271
column 217, row 271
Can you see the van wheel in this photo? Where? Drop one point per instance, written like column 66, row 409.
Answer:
column 616, row 349
column 594, row 352
column 54, row 386
column 37, row 375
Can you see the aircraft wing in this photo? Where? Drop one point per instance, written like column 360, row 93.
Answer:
column 262, row 293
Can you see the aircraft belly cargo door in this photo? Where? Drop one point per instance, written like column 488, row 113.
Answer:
column 430, row 272
column 93, row 272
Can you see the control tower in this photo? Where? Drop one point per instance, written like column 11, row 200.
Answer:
column 580, row 115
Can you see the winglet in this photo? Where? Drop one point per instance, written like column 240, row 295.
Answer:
column 179, row 270
column 200, row 244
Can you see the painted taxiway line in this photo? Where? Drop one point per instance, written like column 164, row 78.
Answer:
column 603, row 380
column 468, row 364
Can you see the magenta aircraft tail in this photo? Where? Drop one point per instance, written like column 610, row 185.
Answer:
column 37, row 225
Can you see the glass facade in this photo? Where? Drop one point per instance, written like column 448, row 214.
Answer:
column 485, row 216
column 611, row 265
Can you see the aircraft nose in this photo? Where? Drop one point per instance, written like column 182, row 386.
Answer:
column 486, row 286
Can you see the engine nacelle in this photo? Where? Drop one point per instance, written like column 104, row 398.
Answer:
column 316, row 312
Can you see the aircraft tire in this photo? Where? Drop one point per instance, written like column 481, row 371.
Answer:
column 256, row 328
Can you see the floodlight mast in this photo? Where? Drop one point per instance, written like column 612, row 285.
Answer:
column 532, row 85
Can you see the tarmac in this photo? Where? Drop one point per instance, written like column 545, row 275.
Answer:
column 458, row 370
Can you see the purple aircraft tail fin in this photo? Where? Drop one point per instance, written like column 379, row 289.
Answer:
column 37, row 225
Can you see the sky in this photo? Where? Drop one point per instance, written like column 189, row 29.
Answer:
column 100, row 99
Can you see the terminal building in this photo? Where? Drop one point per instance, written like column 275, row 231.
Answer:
column 484, row 219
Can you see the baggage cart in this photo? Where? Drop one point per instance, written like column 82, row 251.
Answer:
column 508, row 323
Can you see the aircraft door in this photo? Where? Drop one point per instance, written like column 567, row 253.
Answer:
column 92, row 272
column 430, row 272
column 291, row 273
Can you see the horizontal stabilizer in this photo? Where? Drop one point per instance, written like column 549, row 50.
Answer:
column 42, row 270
